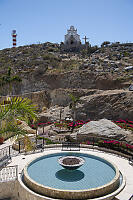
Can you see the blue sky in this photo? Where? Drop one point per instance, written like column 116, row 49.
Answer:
column 48, row 20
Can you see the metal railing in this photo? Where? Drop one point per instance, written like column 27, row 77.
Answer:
column 69, row 146
column 8, row 150
column 9, row 173
column 107, row 143
column 4, row 151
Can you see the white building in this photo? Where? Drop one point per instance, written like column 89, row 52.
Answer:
column 72, row 37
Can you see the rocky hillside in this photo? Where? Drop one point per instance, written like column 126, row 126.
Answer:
column 49, row 75
column 93, row 104
column 112, row 58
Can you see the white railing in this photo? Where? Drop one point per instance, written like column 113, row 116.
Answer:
column 9, row 173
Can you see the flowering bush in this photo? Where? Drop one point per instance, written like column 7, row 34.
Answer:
column 112, row 144
column 40, row 124
column 120, row 143
column 63, row 123
column 69, row 124
column 126, row 124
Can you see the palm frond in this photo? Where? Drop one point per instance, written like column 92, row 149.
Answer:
column 17, row 108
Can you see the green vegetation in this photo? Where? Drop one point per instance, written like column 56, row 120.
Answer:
column 105, row 44
column 124, row 78
column 126, row 54
column 25, row 57
column 7, row 79
column 47, row 140
column 16, row 109
column 49, row 58
column 74, row 101
column 115, row 145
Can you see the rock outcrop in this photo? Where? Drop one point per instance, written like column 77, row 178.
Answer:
column 68, row 80
column 25, row 127
column 104, row 128
column 111, row 104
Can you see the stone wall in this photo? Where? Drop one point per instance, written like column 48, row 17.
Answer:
column 8, row 189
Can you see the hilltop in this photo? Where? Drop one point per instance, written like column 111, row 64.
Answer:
column 49, row 57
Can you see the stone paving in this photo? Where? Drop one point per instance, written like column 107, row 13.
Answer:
column 123, row 165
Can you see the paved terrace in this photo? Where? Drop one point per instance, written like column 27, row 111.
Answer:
column 123, row 164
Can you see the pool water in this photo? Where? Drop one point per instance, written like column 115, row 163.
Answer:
column 94, row 173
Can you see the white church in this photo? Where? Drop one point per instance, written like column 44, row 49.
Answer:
column 72, row 41
column 72, row 36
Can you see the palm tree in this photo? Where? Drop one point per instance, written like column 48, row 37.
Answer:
column 74, row 101
column 17, row 109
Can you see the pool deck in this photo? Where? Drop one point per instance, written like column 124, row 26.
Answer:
column 123, row 164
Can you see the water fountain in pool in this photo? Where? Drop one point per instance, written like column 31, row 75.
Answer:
column 72, row 176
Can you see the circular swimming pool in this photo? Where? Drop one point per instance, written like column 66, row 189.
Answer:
column 95, row 178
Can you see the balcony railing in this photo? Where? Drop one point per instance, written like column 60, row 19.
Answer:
column 9, row 173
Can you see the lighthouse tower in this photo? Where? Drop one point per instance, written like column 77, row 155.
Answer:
column 14, row 35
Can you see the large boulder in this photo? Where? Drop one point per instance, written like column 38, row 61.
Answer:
column 55, row 113
column 101, row 128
